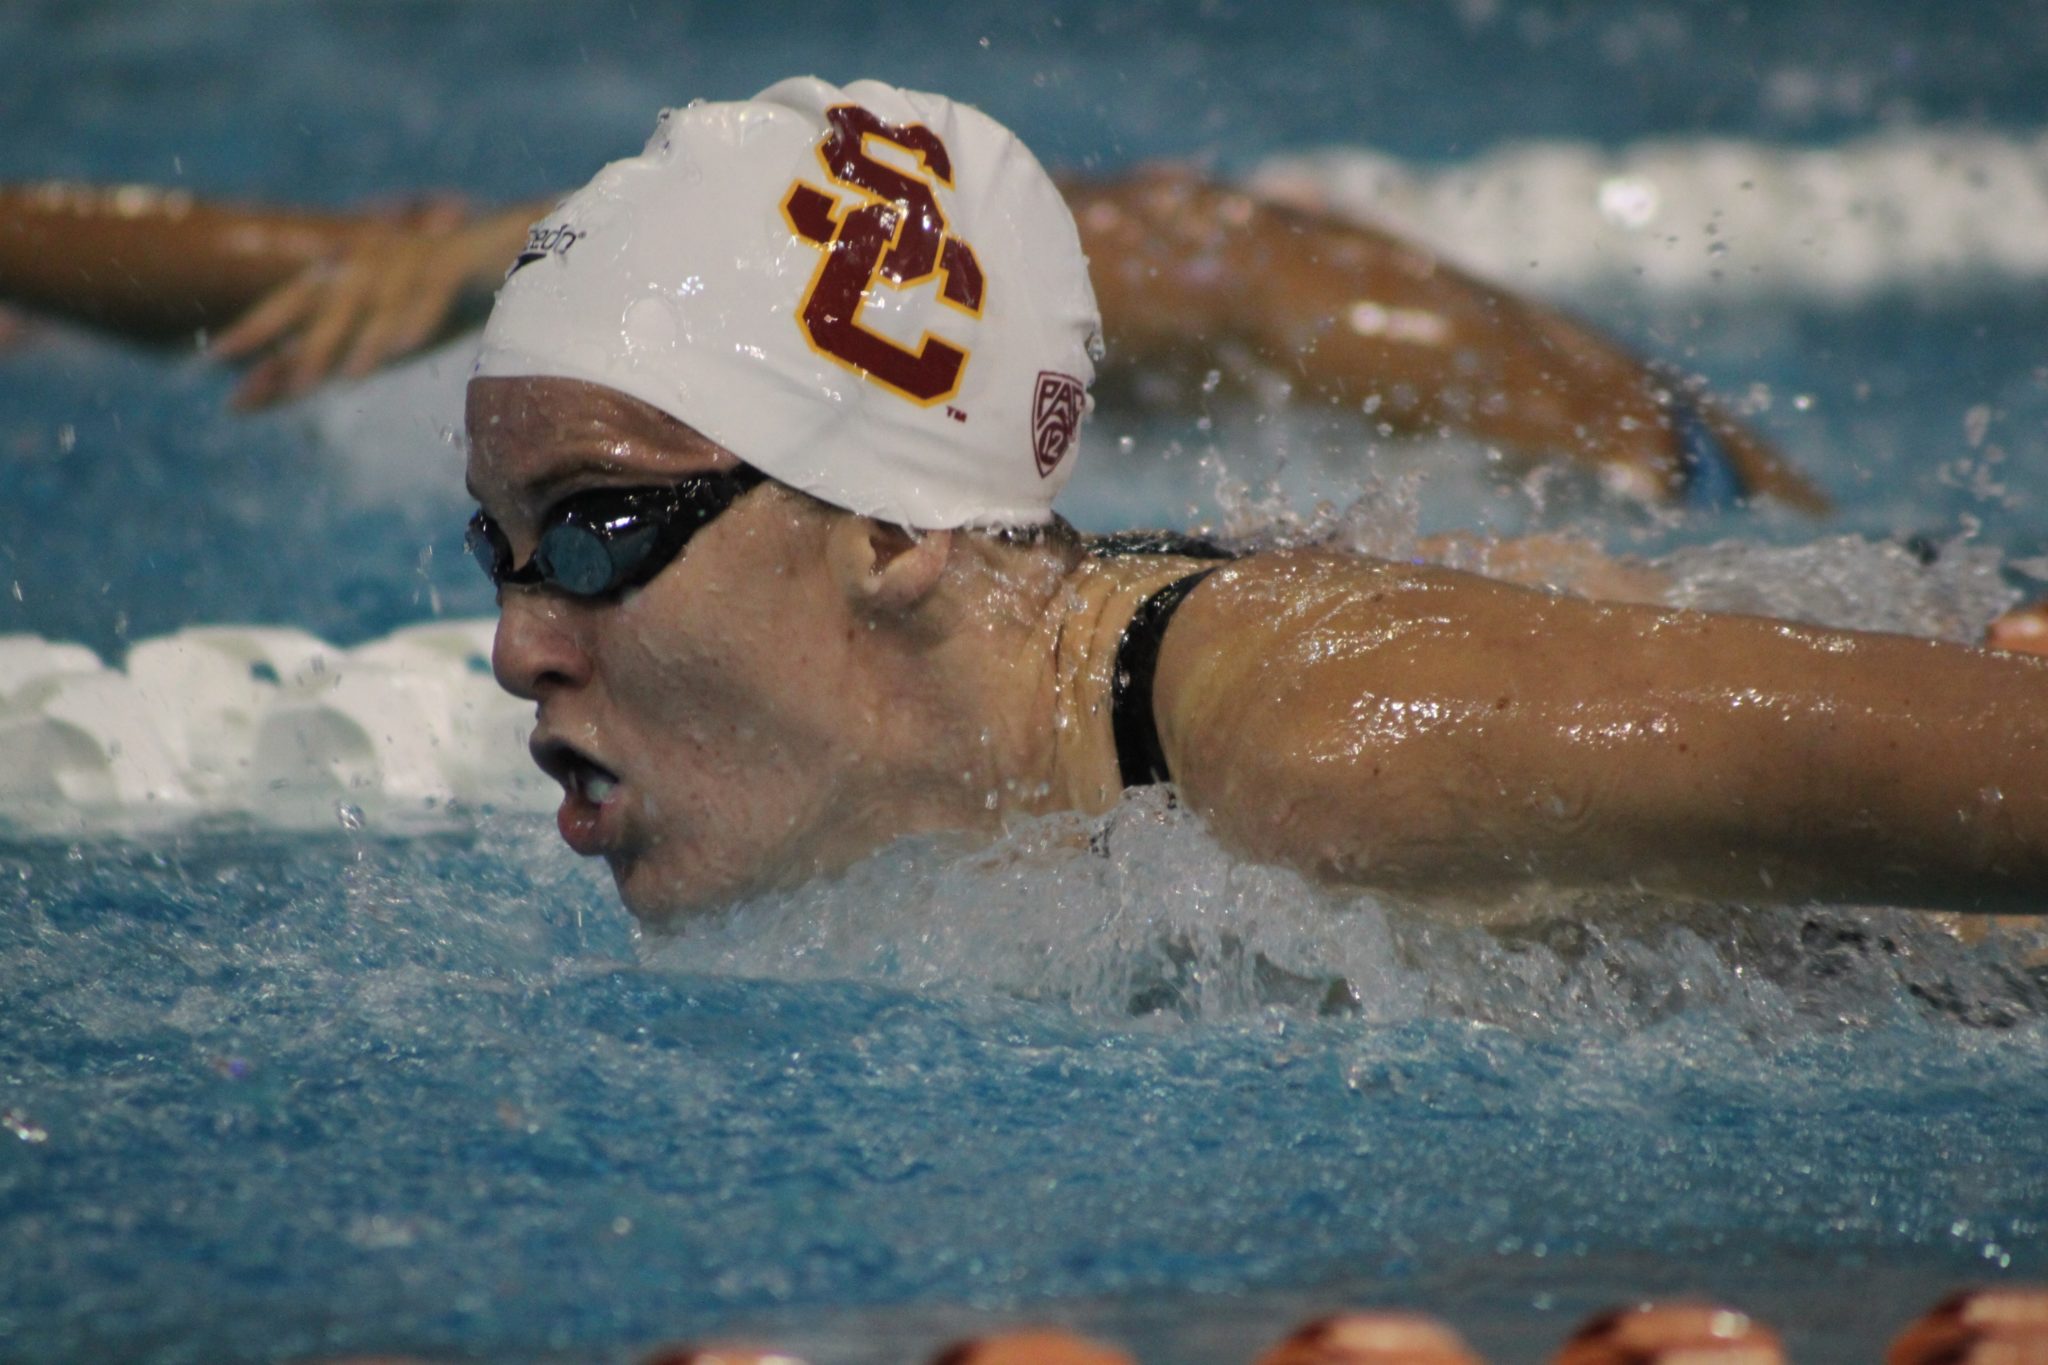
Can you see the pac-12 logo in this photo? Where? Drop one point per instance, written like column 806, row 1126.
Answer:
column 897, row 233
column 1056, row 412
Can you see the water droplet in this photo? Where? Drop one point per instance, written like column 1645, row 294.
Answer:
column 351, row 816
column 22, row 1126
column 1976, row 422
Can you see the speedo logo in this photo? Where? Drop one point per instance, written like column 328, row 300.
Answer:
column 894, row 232
column 543, row 241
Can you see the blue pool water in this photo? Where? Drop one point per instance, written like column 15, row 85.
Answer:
column 269, row 1095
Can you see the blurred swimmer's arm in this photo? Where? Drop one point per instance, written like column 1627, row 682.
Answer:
column 1426, row 730
column 1351, row 315
column 315, row 293
column 151, row 261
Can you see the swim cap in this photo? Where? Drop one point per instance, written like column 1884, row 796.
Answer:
column 873, row 295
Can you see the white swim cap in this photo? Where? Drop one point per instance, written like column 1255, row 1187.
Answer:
column 871, row 294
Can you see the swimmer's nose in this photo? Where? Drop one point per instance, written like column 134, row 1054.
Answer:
column 538, row 648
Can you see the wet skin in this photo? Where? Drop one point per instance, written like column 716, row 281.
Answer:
column 685, row 691
column 1419, row 729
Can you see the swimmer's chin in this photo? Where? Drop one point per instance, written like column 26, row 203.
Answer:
column 665, row 900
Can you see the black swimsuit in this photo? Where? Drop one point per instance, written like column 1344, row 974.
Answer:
column 1139, row 758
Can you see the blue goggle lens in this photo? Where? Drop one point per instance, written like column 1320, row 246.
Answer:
column 601, row 542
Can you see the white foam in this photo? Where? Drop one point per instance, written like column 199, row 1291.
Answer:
column 1911, row 209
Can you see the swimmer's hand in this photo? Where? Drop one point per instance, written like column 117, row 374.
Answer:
column 391, row 289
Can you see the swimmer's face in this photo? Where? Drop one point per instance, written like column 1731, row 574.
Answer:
column 705, row 727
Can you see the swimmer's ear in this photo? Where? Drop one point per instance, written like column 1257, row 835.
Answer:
column 884, row 568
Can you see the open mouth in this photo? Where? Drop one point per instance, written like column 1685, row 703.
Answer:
column 593, row 783
column 586, row 818
column 580, row 775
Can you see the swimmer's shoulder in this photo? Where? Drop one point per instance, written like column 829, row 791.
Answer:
column 1271, row 650
column 1247, row 604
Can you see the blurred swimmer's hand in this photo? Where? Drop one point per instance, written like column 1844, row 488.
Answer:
column 391, row 291
column 303, row 293
column 1246, row 289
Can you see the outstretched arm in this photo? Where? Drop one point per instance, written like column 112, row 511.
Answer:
column 1353, row 315
column 152, row 261
column 301, row 294
column 1429, row 731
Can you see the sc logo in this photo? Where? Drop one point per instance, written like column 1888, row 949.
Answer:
column 897, row 234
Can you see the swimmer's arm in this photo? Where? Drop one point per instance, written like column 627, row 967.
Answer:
column 152, row 261
column 1428, row 731
column 1356, row 316
column 315, row 293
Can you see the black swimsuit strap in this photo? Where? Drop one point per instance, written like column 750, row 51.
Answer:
column 1138, row 756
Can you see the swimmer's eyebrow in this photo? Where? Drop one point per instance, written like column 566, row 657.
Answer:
column 545, row 488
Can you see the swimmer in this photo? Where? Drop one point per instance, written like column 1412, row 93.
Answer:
column 1031, row 1346
column 1190, row 276
column 1379, row 1338
column 766, row 431
column 1696, row 1333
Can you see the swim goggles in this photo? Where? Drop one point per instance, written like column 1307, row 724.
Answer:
column 601, row 542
